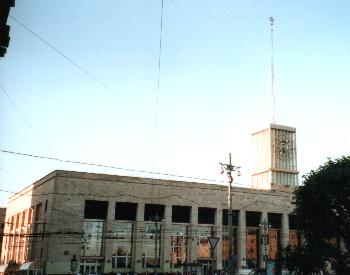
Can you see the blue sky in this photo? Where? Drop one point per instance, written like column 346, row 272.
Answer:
column 214, row 85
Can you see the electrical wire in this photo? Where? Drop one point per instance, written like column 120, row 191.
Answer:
column 125, row 169
column 24, row 118
column 77, row 65
column 108, row 166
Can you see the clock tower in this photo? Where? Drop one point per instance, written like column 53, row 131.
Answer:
column 275, row 158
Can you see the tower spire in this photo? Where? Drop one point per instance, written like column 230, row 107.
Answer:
column 272, row 95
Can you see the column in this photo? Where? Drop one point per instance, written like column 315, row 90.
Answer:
column 285, row 230
column 218, row 234
column 108, row 243
column 138, row 238
column 165, row 241
column 242, row 239
column 264, row 247
column 192, row 235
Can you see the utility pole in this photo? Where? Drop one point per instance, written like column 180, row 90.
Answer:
column 229, row 168
column 156, row 219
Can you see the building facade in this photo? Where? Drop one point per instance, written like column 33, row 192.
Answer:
column 97, row 223
column 108, row 224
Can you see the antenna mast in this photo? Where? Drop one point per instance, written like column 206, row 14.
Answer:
column 272, row 95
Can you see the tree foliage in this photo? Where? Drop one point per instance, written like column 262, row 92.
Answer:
column 322, row 210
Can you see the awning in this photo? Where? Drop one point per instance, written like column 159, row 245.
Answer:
column 3, row 268
column 30, row 265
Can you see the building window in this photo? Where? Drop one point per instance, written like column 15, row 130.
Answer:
column 275, row 224
column 151, row 210
column 43, row 231
column 149, row 244
column 10, row 248
column 37, row 225
column 23, row 222
column 30, row 215
column 122, row 245
column 17, row 220
column 252, row 249
column 181, row 214
column 292, row 222
column 12, row 222
column 178, row 242
column 21, row 249
column 96, row 210
column 46, row 205
column 293, row 238
column 253, row 219
column 225, row 244
column 206, row 215
column 275, row 220
column 274, row 243
column 92, row 238
column 37, row 212
column 125, row 211
column 203, row 244
column 253, row 245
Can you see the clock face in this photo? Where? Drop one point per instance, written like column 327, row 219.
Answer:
column 283, row 146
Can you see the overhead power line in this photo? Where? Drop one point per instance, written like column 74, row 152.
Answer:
column 75, row 64
column 24, row 118
column 117, row 168
column 120, row 168
column 107, row 166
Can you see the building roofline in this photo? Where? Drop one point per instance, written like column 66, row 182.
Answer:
column 32, row 186
column 278, row 127
column 130, row 179
column 283, row 127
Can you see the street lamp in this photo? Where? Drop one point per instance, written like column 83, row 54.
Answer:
column 229, row 168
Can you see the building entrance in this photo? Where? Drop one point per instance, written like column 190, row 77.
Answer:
column 90, row 267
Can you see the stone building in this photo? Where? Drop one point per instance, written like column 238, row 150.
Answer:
column 109, row 223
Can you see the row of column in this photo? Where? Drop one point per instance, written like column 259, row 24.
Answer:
column 192, row 244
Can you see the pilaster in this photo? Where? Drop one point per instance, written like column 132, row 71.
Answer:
column 242, row 239
column 165, row 241
column 138, row 238
column 218, row 234
column 108, row 243
column 192, row 232
column 285, row 230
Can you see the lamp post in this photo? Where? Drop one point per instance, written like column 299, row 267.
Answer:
column 229, row 168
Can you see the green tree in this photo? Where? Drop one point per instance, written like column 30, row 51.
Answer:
column 322, row 210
